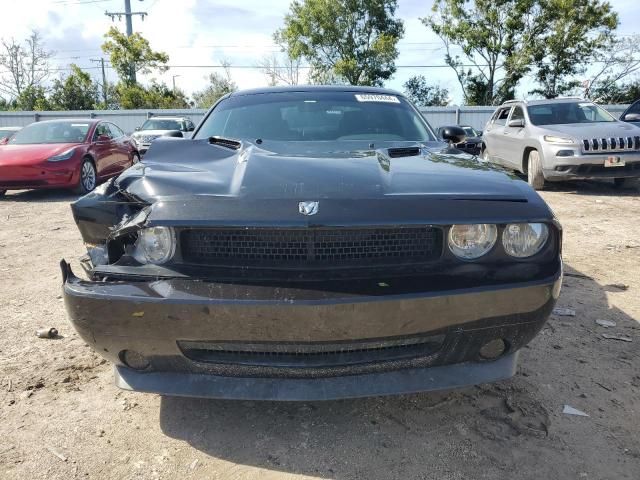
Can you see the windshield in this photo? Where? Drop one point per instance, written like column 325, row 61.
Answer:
column 158, row 124
column 316, row 116
column 51, row 132
column 470, row 132
column 567, row 112
column 6, row 133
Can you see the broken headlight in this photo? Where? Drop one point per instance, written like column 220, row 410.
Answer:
column 155, row 245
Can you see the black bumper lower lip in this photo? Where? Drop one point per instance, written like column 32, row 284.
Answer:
column 444, row 377
column 158, row 318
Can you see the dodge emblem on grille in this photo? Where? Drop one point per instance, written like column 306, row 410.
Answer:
column 308, row 208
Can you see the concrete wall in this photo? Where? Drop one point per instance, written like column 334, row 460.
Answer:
column 128, row 120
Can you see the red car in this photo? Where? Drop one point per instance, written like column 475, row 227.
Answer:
column 75, row 154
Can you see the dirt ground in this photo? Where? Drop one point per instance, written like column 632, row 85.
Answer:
column 61, row 417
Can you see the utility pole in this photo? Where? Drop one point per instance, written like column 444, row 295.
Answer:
column 128, row 15
column 174, row 82
column 104, row 79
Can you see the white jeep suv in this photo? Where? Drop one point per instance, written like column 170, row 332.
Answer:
column 562, row 139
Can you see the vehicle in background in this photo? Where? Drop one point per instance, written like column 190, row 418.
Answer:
column 562, row 139
column 7, row 132
column 632, row 114
column 312, row 243
column 472, row 141
column 156, row 127
column 74, row 154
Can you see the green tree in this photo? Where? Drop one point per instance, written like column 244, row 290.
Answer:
column 355, row 40
column 492, row 37
column 129, row 55
column 573, row 32
column 219, row 85
column 157, row 95
column 76, row 91
column 424, row 95
column 32, row 98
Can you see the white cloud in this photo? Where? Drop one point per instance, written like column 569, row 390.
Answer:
column 204, row 32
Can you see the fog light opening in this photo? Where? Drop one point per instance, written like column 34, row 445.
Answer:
column 493, row 349
column 134, row 360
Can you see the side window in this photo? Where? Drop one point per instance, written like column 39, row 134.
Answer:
column 518, row 113
column 503, row 114
column 101, row 129
column 115, row 131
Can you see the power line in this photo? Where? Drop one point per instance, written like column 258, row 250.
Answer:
column 128, row 14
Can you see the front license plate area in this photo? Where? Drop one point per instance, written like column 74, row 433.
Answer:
column 614, row 161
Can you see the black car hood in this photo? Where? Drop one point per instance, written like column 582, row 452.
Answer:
column 204, row 183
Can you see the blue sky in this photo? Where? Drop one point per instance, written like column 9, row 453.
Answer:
column 206, row 32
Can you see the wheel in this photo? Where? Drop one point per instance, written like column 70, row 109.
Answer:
column 535, row 176
column 626, row 182
column 135, row 158
column 88, row 177
column 484, row 155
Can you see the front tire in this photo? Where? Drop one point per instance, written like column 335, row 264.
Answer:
column 484, row 154
column 88, row 177
column 535, row 177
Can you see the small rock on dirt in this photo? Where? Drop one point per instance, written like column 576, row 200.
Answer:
column 569, row 410
column 606, row 323
column 622, row 338
column 564, row 312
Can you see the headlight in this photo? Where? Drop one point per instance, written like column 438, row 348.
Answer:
column 524, row 239
column 472, row 241
column 561, row 140
column 66, row 155
column 155, row 245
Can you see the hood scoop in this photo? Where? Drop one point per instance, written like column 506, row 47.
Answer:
column 404, row 152
column 225, row 142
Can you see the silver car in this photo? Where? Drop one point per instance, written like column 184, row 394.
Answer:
column 562, row 139
column 161, row 127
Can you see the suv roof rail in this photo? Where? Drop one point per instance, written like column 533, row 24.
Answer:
column 513, row 101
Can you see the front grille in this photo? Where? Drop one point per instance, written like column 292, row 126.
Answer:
column 311, row 355
column 311, row 247
column 148, row 138
column 613, row 144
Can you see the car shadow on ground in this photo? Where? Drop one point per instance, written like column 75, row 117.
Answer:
column 592, row 187
column 496, row 429
column 44, row 195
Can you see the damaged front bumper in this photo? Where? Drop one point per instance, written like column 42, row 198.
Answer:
column 252, row 341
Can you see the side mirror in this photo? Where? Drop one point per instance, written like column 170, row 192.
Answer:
column 631, row 117
column 137, row 129
column 517, row 123
column 104, row 138
column 480, row 133
column 453, row 135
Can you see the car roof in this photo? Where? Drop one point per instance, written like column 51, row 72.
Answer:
column 85, row 120
column 316, row 88
column 167, row 118
column 546, row 101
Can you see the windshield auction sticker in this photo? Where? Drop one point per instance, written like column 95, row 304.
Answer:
column 370, row 97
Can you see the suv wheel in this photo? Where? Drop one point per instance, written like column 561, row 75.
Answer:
column 484, row 154
column 535, row 176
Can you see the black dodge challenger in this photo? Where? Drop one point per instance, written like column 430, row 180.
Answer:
column 312, row 243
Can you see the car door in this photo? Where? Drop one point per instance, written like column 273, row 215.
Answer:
column 122, row 159
column 513, row 138
column 494, row 133
column 102, row 150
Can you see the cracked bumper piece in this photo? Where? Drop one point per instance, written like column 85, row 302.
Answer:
column 207, row 339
